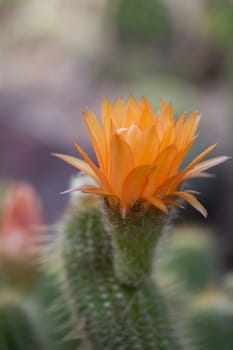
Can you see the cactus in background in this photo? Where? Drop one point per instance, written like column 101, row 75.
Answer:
column 17, row 330
column 210, row 318
column 189, row 263
column 28, row 318
column 19, row 234
column 189, row 275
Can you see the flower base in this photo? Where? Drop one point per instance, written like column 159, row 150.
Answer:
column 133, row 240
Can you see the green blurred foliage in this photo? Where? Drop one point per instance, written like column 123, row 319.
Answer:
column 190, row 260
column 211, row 321
column 142, row 21
column 219, row 24
column 200, row 301
column 5, row 4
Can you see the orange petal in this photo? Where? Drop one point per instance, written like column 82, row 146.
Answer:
column 121, row 163
column 168, row 137
column 200, row 157
column 118, row 113
column 190, row 126
column 97, row 137
column 78, row 163
column 166, row 113
column 181, row 176
column 179, row 128
column 132, row 113
column 188, row 197
column 169, row 185
column 106, row 111
column 102, row 180
column 147, row 116
column 173, row 203
column 146, row 147
column 132, row 135
column 95, row 190
column 179, row 158
column 134, row 183
column 197, row 170
column 163, row 164
column 158, row 203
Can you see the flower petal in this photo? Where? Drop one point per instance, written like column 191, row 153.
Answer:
column 200, row 157
column 158, row 203
column 179, row 158
column 146, row 147
column 173, row 203
column 168, row 137
column 95, row 190
column 97, row 137
column 121, row 163
column 132, row 135
column 190, row 126
column 118, row 113
column 102, row 179
column 163, row 164
column 197, row 170
column 147, row 115
column 135, row 182
column 188, row 197
column 132, row 113
column 78, row 163
column 179, row 128
column 106, row 111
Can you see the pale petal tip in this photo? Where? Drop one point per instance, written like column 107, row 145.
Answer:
column 65, row 192
column 203, row 212
column 57, row 155
column 123, row 211
column 71, row 190
column 222, row 159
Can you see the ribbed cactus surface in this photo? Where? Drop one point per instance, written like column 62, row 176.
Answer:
column 107, row 314
column 202, row 306
column 17, row 329
column 210, row 318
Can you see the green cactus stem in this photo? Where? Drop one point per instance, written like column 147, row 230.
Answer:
column 133, row 240
column 106, row 313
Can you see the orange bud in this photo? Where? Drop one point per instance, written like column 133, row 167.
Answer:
column 21, row 218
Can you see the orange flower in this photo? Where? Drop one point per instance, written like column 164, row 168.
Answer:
column 139, row 153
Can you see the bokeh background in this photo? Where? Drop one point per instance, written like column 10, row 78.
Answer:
column 58, row 57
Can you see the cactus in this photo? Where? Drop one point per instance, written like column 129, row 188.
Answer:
column 188, row 262
column 210, row 318
column 188, row 274
column 18, row 331
column 110, row 315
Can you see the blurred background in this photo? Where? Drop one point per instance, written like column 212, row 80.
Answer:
column 58, row 57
